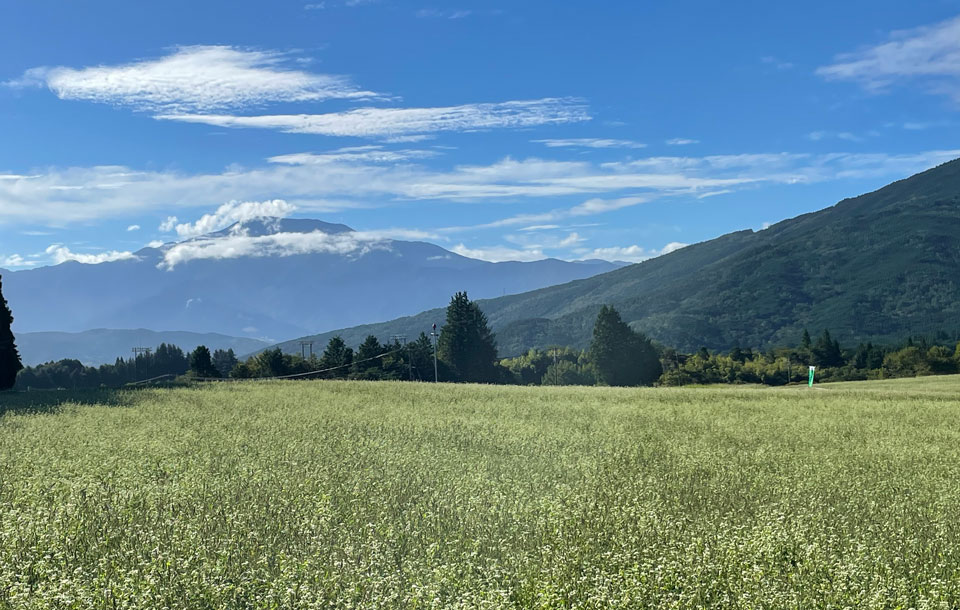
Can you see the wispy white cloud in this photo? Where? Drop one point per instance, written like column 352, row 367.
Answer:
column 168, row 225
column 541, row 240
column 194, row 78
column 539, row 228
column 672, row 247
column 235, row 212
column 776, row 63
column 816, row 136
column 631, row 254
column 681, row 141
column 377, row 122
column 928, row 55
column 61, row 254
column 497, row 254
column 587, row 208
column 600, row 206
column 590, row 143
column 570, row 240
column 354, row 243
column 329, row 4
column 133, row 228
column 15, row 260
column 61, row 196
column 714, row 193
column 433, row 13
column 408, row 139
column 923, row 125
column 538, row 251
column 371, row 154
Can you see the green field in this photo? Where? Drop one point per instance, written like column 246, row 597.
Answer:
column 391, row 495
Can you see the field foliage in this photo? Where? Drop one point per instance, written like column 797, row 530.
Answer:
column 385, row 495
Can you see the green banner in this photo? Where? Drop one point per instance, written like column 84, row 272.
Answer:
column 810, row 379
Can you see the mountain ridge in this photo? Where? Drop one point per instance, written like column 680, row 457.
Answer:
column 269, row 293
column 876, row 267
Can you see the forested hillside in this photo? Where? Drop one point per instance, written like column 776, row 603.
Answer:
column 877, row 267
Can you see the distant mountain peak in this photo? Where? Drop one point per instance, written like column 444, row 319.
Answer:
column 271, row 226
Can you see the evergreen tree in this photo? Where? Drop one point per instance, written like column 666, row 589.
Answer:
column 805, row 340
column 224, row 361
column 737, row 355
column 201, row 365
column 10, row 363
column 827, row 352
column 868, row 357
column 269, row 363
column 421, row 356
column 337, row 354
column 364, row 367
column 622, row 356
column 466, row 345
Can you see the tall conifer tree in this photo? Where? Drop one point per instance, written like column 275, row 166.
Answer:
column 10, row 363
column 201, row 363
column 622, row 356
column 467, row 345
column 337, row 355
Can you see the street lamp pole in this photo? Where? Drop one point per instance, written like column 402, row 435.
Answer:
column 435, row 337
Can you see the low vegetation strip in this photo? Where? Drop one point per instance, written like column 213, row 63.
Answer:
column 389, row 495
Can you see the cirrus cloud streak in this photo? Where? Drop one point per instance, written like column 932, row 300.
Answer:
column 929, row 55
column 60, row 196
column 194, row 78
column 378, row 122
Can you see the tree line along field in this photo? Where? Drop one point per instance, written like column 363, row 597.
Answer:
column 331, row 494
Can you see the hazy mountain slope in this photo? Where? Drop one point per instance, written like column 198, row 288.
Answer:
column 876, row 267
column 104, row 346
column 267, row 296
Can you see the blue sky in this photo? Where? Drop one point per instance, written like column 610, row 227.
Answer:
column 509, row 131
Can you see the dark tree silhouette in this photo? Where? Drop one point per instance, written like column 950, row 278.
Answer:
column 827, row 352
column 622, row 356
column 10, row 363
column 201, row 364
column 224, row 361
column 370, row 348
column 337, row 354
column 466, row 344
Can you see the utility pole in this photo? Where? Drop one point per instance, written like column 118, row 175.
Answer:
column 303, row 346
column 137, row 352
column 435, row 337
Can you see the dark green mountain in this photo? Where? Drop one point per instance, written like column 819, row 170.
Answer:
column 877, row 267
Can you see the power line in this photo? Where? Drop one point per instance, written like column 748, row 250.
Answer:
column 298, row 375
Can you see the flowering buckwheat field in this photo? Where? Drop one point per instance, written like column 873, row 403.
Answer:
column 387, row 495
